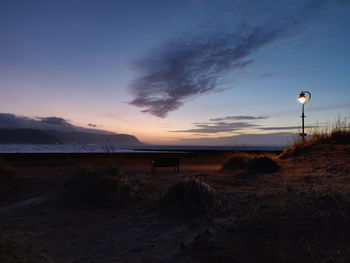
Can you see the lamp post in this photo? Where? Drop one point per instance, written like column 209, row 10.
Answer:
column 303, row 100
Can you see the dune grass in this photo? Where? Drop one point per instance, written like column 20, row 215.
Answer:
column 251, row 163
column 237, row 162
column 108, row 186
column 337, row 133
column 190, row 198
column 262, row 164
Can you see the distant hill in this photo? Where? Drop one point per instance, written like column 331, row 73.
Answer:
column 31, row 136
column 86, row 137
column 34, row 136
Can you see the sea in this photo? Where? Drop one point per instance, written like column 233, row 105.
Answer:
column 100, row 148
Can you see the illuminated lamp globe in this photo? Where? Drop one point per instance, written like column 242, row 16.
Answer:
column 302, row 99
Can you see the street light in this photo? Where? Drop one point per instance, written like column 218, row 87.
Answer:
column 303, row 100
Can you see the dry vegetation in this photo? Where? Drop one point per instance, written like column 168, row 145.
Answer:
column 251, row 164
column 237, row 162
column 190, row 198
column 105, row 187
column 338, row 133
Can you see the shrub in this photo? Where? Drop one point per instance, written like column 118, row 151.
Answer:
column 340, row 137
column 191, row 198
column 106, row 186
column 262, row 165
column 236, row 163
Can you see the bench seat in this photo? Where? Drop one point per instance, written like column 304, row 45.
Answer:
column 165, row 162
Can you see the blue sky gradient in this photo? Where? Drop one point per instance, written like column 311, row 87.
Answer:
column 157, row 69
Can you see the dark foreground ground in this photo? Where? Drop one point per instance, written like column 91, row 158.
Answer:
column 298, row 213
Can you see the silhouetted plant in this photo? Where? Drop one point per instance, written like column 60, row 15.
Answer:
column 109, row 186
column 262, row 165
column 191, row 198
column 236, row 163
column 338, row 133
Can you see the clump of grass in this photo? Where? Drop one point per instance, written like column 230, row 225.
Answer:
column 102, row 187
column 16, row 251
column 262, row 164
column 253, row 164
column 338, row 133
column 236, row 163
column 191, row 198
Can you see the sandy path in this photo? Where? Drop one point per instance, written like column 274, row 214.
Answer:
column 101, row 235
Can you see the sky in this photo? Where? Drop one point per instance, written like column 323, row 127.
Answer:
column 176, row 72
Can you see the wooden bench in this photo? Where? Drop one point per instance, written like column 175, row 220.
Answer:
column 165, row 162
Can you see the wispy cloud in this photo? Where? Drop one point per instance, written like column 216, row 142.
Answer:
column 217, row 127
column 271, row 139
column 239, row 118
column 193, row 65
column 266, row 75
column 220, row 125
column 285, row 128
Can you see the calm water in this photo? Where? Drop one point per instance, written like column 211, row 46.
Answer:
column 99, row 148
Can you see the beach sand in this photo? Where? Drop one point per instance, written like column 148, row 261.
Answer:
column 297, row 213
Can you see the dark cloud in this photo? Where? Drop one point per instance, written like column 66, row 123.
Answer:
column 12, row 121
column 92, row 125
column 193, row 64
column 8, row 120
column 192, row 67
column 218, row 127
column 239, row 118
column 54, row 121
column 285, row 128
column 266, row 75
column 295, row 73
column 271, row 139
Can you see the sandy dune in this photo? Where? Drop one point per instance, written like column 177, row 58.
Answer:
column 32, row 213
